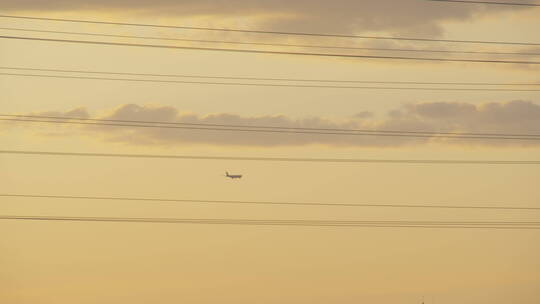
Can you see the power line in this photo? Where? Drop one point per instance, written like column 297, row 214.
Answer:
column 62, row 119
column 311, row 204
column 300, row 223
column 255, row 130
column 269, row 84
column 274, row 79
column 279, row 159
column 272, row 52
column 272, row 44
column 487, row 2
column 267, row 52
column 271, row 32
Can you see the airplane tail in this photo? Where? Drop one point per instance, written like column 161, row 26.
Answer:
column 226, row 173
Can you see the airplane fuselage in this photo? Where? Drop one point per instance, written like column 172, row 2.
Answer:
column 233, row 176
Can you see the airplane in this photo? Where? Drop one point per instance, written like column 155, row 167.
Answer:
column 232, row 176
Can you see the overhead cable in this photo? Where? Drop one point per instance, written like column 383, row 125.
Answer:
column 277, row 85
column 274, row 44
column 89, row 42
column 488, row 2
column 270, row 131
column 307, row 204
column 270, row 32
column 271, row 84
column 273, row 79
column 279, row 222
column 278, row 159
column 144, row 122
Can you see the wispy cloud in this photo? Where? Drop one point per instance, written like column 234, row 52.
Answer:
column 418, row 17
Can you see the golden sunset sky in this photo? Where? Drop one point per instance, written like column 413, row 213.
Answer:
column 135, row 263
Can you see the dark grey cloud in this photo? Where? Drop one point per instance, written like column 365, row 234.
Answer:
column 404, row 16
column 520, row 117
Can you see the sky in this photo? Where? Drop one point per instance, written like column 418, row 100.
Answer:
column 135, row 263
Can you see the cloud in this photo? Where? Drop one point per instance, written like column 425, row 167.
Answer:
column 363, row 115
column 67, row 115
column 418, row 17
column 515, row 117
column 75, row 113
